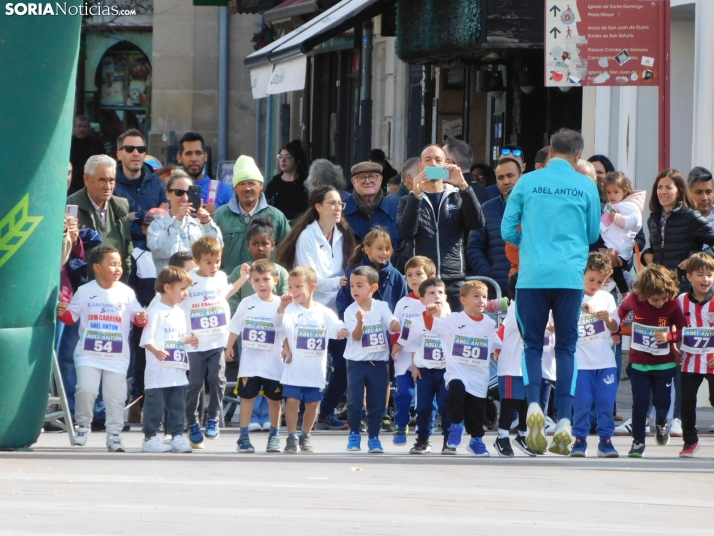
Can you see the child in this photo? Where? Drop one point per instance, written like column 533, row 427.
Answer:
column 307, row 325
column 181, row 259
column 469, row 337
column 165, row 377
column 697, row 345
column 207, row 315
column 624, row 210
column 428, row 367
column 104, row 308
column 510, row 381
column 261, row 366
column 653, row 358
column 418, row 269
column 367, row 356
column 596, row 380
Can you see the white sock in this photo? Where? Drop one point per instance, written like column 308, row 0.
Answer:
column 502, row 433
column 522, row 434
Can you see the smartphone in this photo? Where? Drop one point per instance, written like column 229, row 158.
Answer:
column 194, row 196
column 72, row 210
column 436, row 173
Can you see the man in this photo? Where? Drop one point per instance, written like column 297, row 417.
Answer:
column 436, row 215
column 377, row 156
column 541, row 159
column 136, row 182
column 410, row 169
column 367, row 205
column 486, row 249
column 192, row 156
column 83, row 146
column 558, row 210
column 460, row 154
column 701, row 187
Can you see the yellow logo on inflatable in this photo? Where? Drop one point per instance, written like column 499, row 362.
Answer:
column 15, row 228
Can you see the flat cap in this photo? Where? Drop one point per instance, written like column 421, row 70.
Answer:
column 363, row 167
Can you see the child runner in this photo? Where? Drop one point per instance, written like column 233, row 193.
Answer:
column 104, row 308
column 260, row 363
column 621, row 221
column 697, row 345
column 653, row 358
column 596, row 380
column 367, row 355
column 181, row 259
column 165, row 378
column 469, row 337
column 307, row 325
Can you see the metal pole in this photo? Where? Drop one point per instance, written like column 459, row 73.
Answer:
column 223, row 53
column 365, row 120
column 269, row 156
column 258, row 112
column 664, row 31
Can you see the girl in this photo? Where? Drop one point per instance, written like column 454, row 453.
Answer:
column 621, row 221
column 286, row 191
column 658, row 322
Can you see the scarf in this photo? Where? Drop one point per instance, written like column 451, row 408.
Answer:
column 367, row 209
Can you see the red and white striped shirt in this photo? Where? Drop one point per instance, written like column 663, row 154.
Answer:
column 697, row 315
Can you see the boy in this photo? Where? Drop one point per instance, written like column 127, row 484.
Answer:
column 418, row 269
column 261, row 366
column 428, row 367
column 165, row 377
column 307, row 325
column 104, row 308
column 596, row 380
column 469, row 337
column 697, row 345
column 367, row 356
column 207, row 315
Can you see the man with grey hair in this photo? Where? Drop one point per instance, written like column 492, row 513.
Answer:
column 325, row 173
column 553, row 215
column 410, row 169
column 701, row 187
column 459, row 153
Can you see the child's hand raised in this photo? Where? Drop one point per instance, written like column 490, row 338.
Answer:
column 245, row 271
column 61, row 308
column 140, row 317
column 192, row 340
column 342, row 334
column 432, row 309
column 285, row 300
column 395, row 327
column 360, row 316
column 395, row 351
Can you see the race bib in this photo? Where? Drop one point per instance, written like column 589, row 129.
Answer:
column 470, row 350
column 698, row 340
column 405, row 329
column 590, row 328
column 103, row 344
column 311, row 342
column 177, row 355
column 432, row 349
column 643, row 339
column 373, row 339
column 207, row 320
column 258, row 335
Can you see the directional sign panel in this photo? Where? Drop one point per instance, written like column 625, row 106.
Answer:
column 602, row 43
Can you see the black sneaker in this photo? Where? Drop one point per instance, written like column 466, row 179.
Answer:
column 305, row 445
column 662, row 436
column 637, row 450
column 421, row 447
column 447, row 450
column 520, row 443
column 503, row 447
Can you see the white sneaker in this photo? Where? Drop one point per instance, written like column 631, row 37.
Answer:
column 535, row 438
column 114, row 443
column 255, row 427
column 266, row 426
column 167, row 439
column 155, row 445
column 549, row 426
column 675, row 428
column 80, row 435
column 625, row 429
column 179, row 445
column 562, row 438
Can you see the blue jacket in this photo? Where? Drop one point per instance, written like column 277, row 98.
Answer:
column 559, row 211
column 150, row 194
column 385, row 215
column 486, row 249
column 223, row 195
column 392, row 288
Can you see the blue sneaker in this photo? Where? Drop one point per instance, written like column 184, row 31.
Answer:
column 400, row 436
column 455, row 431
column 477, row 447
column 212, row 429
column 244, row 446
column 195, row 437
column 354, row 441
column 580, row 449
column 606, row 450
column 374, row 445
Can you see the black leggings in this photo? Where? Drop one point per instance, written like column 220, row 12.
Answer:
column 508, row 407
column 618, row 276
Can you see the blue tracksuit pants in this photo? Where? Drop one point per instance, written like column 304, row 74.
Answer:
column 597, row 387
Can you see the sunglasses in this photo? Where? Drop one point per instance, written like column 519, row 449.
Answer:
column 514, row 152
column 178, row 192
column 132, row 148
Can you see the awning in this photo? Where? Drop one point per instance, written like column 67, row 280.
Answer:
column 294, row 47
column 291, row 8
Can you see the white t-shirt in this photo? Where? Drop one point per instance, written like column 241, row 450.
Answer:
column 594, row 350
column 165, row 329
column 427, row 346
column 469, row 344
column 511, row 357
column 374, row 344
column 207, row 311
column 104, row 317
column 260, row 344
column 307, row 332
column 406, row 310
column 548, row 361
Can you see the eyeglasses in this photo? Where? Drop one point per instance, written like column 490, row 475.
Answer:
column 335, row 204
column 514, row 152
column 371, row 178
column 131, row 148
column 178, row 192
column 285, row 157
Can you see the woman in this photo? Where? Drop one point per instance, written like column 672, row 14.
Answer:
column 182, row 226
column 286, row 191
column 676, row 229
column 602, row 166
column 321, row 238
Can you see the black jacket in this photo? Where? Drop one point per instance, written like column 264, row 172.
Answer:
column 459, row 212
column 142, row 195
column 685, row 233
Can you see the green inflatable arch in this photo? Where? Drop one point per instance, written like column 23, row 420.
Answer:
column 39, row 55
